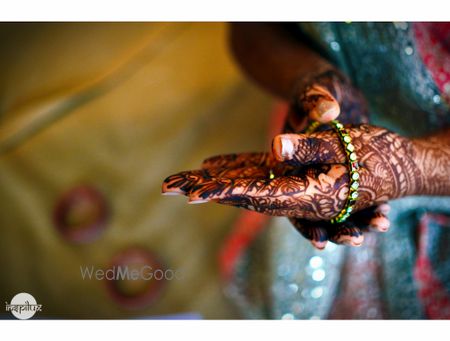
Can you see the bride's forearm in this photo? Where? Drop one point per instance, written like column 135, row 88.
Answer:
column 433, row 162
column 287, row 67
column 273, row 58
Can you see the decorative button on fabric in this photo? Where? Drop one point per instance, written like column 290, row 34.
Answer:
column 81, row 214
column 335, row 46
column 409, row 50
column 141, row 279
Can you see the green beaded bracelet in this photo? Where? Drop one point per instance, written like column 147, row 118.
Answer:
column 353, row 167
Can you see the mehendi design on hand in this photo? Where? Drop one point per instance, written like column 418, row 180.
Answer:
column 349, row 233
column 433, row 160
column 387, row 160
column 330, row 93
column 317, row 94
column 310, row 180
column 301, row 187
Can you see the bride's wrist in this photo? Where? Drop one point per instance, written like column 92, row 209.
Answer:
column 432, row 161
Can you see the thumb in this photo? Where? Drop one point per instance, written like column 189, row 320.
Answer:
column 302, row 149
column 320, row 104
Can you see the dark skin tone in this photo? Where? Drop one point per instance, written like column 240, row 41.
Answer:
column 305, row 177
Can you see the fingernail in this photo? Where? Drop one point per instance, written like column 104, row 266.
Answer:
column 352, row 241
column 287, row 147
column 325, row 111
column 357, row 241
column 198, row 201
column 377, row 228
column 283, row 148
column 380, row 224
column 319, row 245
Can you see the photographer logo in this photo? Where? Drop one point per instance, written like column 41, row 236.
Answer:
column 23, row 306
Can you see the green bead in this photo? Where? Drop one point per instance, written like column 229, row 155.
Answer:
column 354, row 175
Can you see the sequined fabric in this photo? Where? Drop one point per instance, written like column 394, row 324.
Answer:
column 432, row 265
column 281, row 276
column 383, row 61
column 433, row 43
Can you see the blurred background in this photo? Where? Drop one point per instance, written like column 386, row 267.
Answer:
column 93, row 117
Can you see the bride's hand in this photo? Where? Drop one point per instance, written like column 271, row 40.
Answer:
column 307, row 178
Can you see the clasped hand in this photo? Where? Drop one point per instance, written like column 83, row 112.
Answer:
column 305, row 177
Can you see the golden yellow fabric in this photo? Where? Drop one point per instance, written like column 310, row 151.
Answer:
column 118, row 106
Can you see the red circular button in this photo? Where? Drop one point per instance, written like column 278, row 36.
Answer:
column 81, row 214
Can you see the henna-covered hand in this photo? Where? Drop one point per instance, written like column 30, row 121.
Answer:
column 322, row 97
column 388, row 167
column 315, row 89
column 349, row 232
column 318, row 91
column 429, row 163
column 307, row 179
column 259, row 166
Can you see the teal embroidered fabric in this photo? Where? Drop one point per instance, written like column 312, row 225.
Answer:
column 281, row 276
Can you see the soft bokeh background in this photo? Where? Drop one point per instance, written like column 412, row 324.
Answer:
column 116, row 107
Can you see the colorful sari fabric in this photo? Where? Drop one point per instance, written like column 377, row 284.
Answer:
column 403, row 69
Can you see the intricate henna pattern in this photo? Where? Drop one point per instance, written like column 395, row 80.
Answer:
column 312, row 184
column 239, row 160
column 256, row 165
column 433, row 159
column 350, row 232
column 317, row 192
column 322, row 89
column 308, row 181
